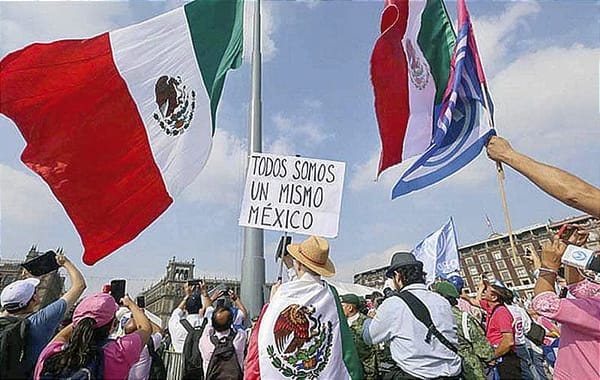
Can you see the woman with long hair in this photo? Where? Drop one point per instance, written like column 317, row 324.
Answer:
column 85, row 340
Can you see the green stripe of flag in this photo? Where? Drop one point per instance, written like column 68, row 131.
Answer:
column 436, row 39
column 350, row 354
column 216, row 27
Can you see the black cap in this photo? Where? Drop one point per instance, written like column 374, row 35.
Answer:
column 193, row 303
column 399, row 260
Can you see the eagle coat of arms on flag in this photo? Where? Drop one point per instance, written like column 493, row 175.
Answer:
column 302, row 334
column 303, row 343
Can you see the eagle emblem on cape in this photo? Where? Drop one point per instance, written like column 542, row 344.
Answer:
column 302, row 342
column 176, row 104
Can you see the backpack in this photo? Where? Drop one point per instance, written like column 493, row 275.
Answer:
column 158, row 371
column 92, row 370
column 224, row 363
column 192, row 359
column 13, row 340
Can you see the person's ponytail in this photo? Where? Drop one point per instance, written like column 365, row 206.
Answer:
column 80, row 348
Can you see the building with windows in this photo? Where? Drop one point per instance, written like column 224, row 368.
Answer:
column 51, row 285
column 164, row 296
column 494, row 258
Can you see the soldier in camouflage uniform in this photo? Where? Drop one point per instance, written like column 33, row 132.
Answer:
column 473, row 347
column 366, row 354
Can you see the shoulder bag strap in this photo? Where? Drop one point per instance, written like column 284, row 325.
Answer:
column 419, row 310
column 203, row 325
column 150, row 345
column 186, row 325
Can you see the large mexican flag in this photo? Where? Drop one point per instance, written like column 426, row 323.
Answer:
column 121, row 123
column 302, row 334
column 410, row 66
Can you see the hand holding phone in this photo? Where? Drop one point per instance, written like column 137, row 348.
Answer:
column 566, row 231
column 117, row 290
column 572, row 234
column 141, row 301
column 42, row 264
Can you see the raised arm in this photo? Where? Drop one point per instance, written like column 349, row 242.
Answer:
column 206, row 300
column 144, row 327
column 558, row 183
column 236, row 300
column 64, row 334
column 78, row 284
column 187, row 290
column 551, row 262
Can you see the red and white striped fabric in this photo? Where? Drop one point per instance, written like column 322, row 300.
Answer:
column 119, row 124
column 410, row 65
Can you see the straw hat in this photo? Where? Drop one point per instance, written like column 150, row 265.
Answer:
column 314, row 254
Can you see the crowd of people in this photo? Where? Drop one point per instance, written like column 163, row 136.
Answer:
column 408, row 330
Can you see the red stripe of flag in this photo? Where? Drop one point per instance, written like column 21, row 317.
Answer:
column 85, row 139
column 389, row 75
column 252, row 364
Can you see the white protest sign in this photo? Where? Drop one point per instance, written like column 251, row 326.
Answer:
column 293, row 194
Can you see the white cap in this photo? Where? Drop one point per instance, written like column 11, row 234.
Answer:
column 123, row 314
column 153, row 318
column 17, row 295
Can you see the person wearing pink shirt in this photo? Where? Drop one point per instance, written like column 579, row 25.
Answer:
column 579, row 347
column 500, row 328
column 93, row 320
column 221, row 328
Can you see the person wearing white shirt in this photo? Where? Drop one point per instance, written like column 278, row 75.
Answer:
column 191, row 309
column 521, row 325
column 416, row 353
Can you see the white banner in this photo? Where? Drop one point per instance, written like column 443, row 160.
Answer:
column 294, row 194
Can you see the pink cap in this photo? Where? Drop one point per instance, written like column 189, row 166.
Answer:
column 101, row 307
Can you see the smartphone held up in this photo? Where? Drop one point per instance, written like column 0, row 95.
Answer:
column 566, row 231
column 42, row 264
column 117, row 290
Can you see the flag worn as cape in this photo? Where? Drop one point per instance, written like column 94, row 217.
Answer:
column 439, row 253
column 460, row 133
column 121, row 123
column 410, row 66
column 302, row 333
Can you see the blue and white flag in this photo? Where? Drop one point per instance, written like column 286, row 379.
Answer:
column 439, row 253
column 459, row 133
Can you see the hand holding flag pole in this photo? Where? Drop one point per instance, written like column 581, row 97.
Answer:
column 500, row 175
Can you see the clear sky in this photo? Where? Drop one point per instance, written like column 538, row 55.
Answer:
column 541, row 60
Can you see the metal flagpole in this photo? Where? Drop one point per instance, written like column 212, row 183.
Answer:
column 253, row 261
column 500, row 174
